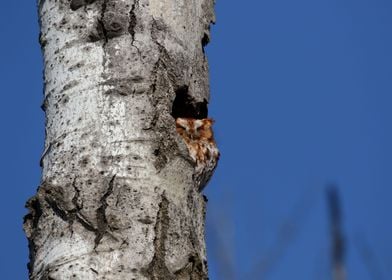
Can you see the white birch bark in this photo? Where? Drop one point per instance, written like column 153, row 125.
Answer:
column 117, row 199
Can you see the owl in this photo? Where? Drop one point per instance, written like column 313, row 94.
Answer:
column 199, row 138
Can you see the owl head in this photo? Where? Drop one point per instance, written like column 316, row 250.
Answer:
column 195, row 129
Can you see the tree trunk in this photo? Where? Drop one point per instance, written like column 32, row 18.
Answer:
column 117, row 198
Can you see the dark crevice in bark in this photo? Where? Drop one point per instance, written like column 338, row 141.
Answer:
column 98, row 33
column 185, row 106
column 102, row 222
column 30, row 224
column 85, row 223
column 101, row 23
column 193, row 270
column 157, row 269
column 204, row 42
column 42, row 40
column 58, row 211
column 76, row 212
column 75, row 199
column 44, row 103
column 35, row 212
column 102, row 28
column 132, row 20
column 76, row 4
column 69, row 216
column 132, row 24
column 45, row 275
column 46, row 151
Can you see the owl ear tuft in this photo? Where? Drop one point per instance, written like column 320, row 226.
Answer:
column 209, row 121
column 182, row 122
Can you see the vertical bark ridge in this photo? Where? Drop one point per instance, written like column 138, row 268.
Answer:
column 157, row 268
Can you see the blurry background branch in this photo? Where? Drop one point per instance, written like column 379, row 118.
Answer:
column 286, row 234
column 368, row 256
column 337, row 240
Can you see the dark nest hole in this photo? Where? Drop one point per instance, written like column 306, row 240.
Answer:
column 185, row 106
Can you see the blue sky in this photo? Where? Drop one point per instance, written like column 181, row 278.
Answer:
column 301, row 93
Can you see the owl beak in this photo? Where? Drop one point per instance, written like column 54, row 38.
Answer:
column 194, row 136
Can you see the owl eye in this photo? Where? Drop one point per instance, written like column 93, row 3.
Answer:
column 182, row 127
column 181, row 123
column 198, row 125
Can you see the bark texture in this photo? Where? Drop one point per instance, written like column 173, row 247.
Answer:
column 117, row 198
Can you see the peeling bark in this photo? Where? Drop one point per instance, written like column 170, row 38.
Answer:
column 112, row 203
